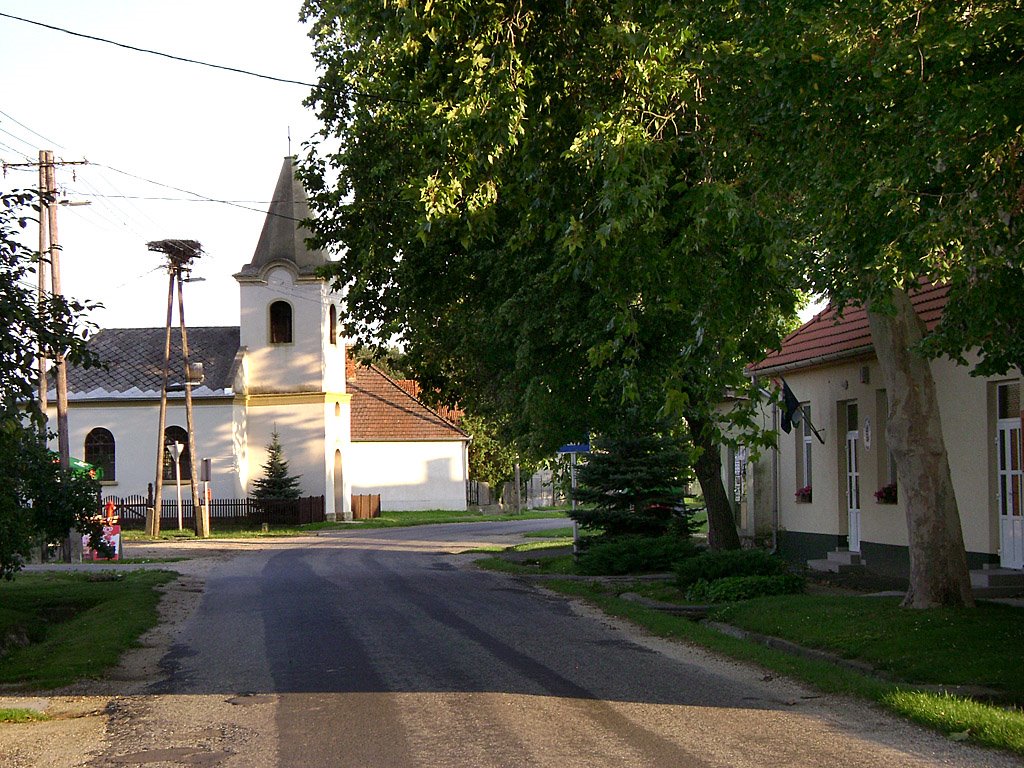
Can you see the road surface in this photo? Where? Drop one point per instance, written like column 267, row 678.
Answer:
column 382, row 648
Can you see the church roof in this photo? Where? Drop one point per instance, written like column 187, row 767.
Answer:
column 383, row 411
column 282, row 239
column 134, row 360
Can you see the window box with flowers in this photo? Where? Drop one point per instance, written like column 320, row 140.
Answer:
column 803, row 495
column 886, row 494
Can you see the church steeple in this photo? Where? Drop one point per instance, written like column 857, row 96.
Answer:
column 282, row 239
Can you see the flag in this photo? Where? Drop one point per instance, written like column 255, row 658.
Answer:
column 791, row 411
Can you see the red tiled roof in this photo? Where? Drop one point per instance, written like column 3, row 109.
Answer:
column 827, row 337
column 384, row 410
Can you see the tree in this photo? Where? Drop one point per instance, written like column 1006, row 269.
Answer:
column 276, row 483
column 39, row 501
column 524, row 199
column 491, row 460
column 634, row 482
column 888, row 140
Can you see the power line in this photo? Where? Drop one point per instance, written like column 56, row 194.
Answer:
column 236, row 70
column 158, row 53
column 36, row 133
column 196, row 194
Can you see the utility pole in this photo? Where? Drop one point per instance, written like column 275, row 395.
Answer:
column 180, row 254
column 44, row 245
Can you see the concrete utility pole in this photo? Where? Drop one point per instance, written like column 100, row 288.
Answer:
column 180, row 254
column 44, row 246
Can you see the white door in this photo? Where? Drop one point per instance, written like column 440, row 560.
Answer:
column 852, row 478
column 1011, row 498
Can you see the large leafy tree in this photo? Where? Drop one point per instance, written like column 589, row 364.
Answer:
column 39, row 501
column 523, row 195
column 888, row 136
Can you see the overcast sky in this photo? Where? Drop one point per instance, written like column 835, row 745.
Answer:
column 219, row 134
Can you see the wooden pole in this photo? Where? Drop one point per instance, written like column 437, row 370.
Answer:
column 193, row 476
column 63, row 443
column 44, row 246
column 153, row 522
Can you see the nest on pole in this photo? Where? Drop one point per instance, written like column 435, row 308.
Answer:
column 179, row 252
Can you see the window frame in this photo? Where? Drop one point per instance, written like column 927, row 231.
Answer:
column 280, row 325
column 107, row 461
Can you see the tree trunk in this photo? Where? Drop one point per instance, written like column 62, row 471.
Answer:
column 722, row 532
column 938, row 560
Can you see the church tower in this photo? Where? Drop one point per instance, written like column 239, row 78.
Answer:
column 293, row 356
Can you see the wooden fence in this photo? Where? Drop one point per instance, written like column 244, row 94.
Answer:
column 365, row 506
column 224, row 513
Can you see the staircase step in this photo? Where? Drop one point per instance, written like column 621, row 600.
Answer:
column 997, row 577
column 832, row 566
column 845, row 557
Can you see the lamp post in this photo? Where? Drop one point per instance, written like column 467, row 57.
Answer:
column 175, row 450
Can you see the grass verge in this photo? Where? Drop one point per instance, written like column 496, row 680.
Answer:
column 21, row 716
column 882, row 634
column 58, row 627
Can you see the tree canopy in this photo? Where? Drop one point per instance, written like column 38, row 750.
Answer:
column 39, row 501
column 565, row 208
column 523, row 199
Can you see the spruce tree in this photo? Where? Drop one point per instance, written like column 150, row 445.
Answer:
column 276, row 483
column 634, row 483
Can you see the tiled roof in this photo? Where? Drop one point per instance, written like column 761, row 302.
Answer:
column 827, row 336
column 384, row 410
column 447, row 412
column 134, row 360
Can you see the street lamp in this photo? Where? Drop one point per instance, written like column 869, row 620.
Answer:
column 175, row 450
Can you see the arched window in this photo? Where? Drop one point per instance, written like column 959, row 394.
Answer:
column 99, row 451
column 280, row 323
column 176, row 435
column 334, row 324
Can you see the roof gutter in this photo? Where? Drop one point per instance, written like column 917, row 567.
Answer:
column 811, row 362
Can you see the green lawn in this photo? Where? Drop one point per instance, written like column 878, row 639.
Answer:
column 58, row 627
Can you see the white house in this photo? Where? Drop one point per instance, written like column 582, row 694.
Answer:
column 851, row 511
column 345, row 429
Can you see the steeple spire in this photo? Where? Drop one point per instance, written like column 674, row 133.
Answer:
column 283, row 239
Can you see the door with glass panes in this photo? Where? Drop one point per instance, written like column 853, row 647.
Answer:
column 1010, row 476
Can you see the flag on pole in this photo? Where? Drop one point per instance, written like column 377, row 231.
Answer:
column 791, row 410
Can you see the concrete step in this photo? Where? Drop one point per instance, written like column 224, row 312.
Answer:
column 832, row 566
column 1002, row 578
column 845, row 557
column 984, row 592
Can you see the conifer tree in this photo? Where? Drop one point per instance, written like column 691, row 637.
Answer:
column 276, row 483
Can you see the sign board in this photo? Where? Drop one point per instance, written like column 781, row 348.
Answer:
column 575, row 448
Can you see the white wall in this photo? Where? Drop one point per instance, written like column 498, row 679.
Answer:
column 296, row 367
column 407, row 475
column 134, row 427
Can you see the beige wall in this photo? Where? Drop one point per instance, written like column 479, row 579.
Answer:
column 967, row 414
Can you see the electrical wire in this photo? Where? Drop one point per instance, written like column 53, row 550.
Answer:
column 236, row 70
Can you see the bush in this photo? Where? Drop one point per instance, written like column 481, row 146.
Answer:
column 634, row 554
column 732, row 588
column 711, row 566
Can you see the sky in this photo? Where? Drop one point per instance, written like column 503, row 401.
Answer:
column 150, row 127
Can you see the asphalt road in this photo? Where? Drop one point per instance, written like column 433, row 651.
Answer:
column 382, row 648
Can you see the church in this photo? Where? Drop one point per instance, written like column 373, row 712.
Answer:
column 345, row 429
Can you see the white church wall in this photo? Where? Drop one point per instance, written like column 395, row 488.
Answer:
column 287, row 367
column 299, row 422
column 410, row 475
column 134, row 427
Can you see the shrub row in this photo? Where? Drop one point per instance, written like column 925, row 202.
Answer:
column 731, row 588
column 634, row 554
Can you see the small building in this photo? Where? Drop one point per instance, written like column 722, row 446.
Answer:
column 830, row 491
column 344, row 429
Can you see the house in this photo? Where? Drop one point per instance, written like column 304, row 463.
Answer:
column 344, row 429
column 829, row 494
